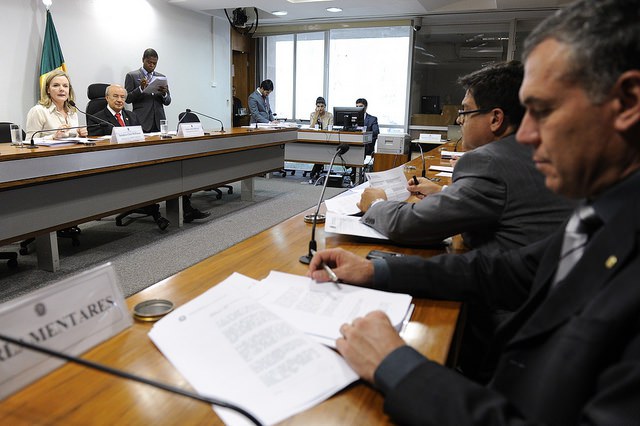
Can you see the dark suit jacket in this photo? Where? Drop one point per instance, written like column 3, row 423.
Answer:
column 149, row 107
column 571, row 356
column 129, row 118
column 371, row 125
column 498, row 200
column 259, row 108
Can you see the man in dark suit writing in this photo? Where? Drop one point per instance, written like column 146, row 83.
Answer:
column 148, row 104
column 571, row 353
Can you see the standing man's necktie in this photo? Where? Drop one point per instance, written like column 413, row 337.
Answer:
column 119, row 118
column 582, row 224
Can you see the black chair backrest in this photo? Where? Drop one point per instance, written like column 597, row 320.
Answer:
column 190, row 117
column 5, row 131
column 97, row 102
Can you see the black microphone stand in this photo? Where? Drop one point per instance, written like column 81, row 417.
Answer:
column 32, row 144
column 126, row 375
column 306, row 259
column 208, row 116
column 73, row 104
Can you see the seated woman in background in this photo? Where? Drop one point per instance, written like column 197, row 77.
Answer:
column 323, row 120
column 53, row 111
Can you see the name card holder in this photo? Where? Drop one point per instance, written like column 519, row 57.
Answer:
column 190, row 129
column 430, row 137
column 127, row 134
column 70, row 316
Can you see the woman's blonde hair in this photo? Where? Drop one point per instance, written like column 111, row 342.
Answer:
column 45, row 98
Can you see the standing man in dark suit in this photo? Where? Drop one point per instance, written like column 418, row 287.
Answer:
column 370, row 124
column 571, row 354
column 115, row 114
column 148, row 105
column 259, row 106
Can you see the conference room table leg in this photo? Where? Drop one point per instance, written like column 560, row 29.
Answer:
column 174, row 211
column 247, row 189
column 47, row 252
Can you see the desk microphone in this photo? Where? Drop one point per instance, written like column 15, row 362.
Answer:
column 104, row 123
column 125, row 375
column 208, row 116
column 306, row 259
column 32, row 145
column 424, row 164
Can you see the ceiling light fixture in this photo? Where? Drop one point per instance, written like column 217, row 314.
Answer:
column 334, row 9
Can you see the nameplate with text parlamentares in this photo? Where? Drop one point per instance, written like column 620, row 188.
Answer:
column 127, row 134
column 70, row 316
column 190, row 129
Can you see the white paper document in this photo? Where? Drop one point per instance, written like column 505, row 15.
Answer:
column 230, row 346
column 451, row 154
column 154, row 85
column 393, row 182
column 447, row 169
column 319, row 309
column 350, row 225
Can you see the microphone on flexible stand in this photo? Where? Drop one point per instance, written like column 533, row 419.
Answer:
column 208, row 116
column 104, row 123
column 32, row 144
column 126, row 375
column 306, row 259
column 424, row 164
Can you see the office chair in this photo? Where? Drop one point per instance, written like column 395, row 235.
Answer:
column 189, row 117
column 97, row 102
column 5, row 131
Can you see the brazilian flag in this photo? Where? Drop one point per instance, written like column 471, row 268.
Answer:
column 52, row 58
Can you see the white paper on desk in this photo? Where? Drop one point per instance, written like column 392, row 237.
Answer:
column 350, row 225
column 155, row 83
column 53, row 142
column 444, row 174
column 319, row 309
column 393, row 182
column 451, row 154
column 448, row 169
column 231, row 347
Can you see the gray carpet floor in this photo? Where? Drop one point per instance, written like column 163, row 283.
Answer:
column 143, row 255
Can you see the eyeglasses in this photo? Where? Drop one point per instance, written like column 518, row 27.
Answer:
column 462, row 113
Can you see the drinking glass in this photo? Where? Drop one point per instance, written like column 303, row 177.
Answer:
column 16, row 136
column 164, row 128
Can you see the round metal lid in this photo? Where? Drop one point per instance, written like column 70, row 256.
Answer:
column 152, row 310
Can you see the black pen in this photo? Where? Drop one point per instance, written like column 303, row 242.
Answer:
column 415, row 180
column 332, row 275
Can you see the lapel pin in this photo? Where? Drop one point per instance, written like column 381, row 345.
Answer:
column 610, row 262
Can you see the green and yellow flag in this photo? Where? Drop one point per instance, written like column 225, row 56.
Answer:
column 52, row 58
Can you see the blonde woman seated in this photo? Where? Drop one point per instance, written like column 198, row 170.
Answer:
column 53, row 111
column 323, row 120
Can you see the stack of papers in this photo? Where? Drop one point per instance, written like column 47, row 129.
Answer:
column 255, row 343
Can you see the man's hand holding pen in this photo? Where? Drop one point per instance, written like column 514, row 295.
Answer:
column 422, row 187
column 346, row 266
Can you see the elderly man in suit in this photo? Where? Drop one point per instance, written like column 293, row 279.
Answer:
column 571, row 354
column 148, row 105
column 370, row 124
column 259, row 106
column 115, row 114
column 498, row 199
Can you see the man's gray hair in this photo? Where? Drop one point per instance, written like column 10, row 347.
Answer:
column 603, row 37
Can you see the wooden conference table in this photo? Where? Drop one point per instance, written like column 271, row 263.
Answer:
column 75, row 395
column 51, row 188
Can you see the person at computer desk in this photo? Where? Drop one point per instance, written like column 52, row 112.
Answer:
column 323, row 119
column 497, row 201
column 571, row 354
column 53, row 111
column 370, row 124
column 148, row 106
column 259, row 107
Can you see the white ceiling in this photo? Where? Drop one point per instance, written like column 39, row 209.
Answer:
column 306, row 11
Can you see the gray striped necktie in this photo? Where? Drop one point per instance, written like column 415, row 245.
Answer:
column 582, row 224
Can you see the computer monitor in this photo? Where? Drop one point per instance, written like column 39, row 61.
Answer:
column 348, row 117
